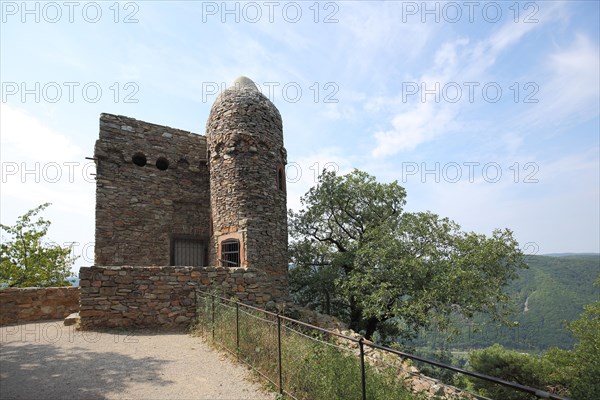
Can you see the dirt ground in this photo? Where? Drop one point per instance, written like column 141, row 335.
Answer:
column 47, row 360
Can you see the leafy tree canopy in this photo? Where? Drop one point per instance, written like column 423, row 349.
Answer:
column 26, row 260
column 357, row 254
column 545, row 298
column 512, row 366
column 580, row 367
column 572, row 373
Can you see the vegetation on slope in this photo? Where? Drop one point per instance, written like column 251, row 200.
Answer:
column 555, row 290
column 572, row 373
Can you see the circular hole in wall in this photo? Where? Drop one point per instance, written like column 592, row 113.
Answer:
column 162, row 163
column 139, row 159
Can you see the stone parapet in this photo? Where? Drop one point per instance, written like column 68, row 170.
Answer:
column 35, row 304
column 165, row 297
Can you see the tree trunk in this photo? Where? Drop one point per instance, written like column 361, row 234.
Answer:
column 371, row 327
column 358, row 323
column 355, row 315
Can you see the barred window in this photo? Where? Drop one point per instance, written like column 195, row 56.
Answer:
column 188, row 252
column 230, row 253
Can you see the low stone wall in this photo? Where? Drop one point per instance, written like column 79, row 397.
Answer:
column 163, row 297
column 34, row 304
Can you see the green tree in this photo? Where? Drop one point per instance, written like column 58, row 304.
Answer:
column 314, row 284
column 382, row 265
column 26, row 260
column 580, row 368
column 511, row 366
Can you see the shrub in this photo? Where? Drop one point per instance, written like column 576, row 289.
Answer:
column 509, row 365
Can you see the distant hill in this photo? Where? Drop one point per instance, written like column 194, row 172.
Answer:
column 569, row 254
column 553, row 289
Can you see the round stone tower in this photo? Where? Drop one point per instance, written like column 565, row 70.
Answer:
column 247, row 181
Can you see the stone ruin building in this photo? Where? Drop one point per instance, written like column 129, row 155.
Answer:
column 177, row 211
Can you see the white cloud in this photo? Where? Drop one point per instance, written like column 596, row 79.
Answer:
column 412, row 128
column 512, row 142
column 456, row 61
column 554, row 204
column 571, row 93
column 302, row 173
column 581, row 166
column 40, row 165
column 377, row 31
column 335, row 111
column 26, row 137
column 422, row 119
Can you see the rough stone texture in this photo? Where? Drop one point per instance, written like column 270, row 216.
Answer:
column 140, row 209
column 144, row 205
column 238, row 192
column 247, row 187
column 34, row 304
column 162, row 297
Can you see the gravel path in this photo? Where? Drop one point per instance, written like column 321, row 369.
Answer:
column 47, row 360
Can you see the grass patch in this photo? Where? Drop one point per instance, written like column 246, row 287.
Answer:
column 313, row 366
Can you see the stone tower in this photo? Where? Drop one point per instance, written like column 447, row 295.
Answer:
column 247, row 161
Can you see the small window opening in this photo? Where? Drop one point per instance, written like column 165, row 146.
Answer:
column 280, row 178
column 139, row 159
column 230, row 253
column 162, row 163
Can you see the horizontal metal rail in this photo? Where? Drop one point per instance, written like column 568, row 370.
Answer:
column 527, row 389
column 362, row 341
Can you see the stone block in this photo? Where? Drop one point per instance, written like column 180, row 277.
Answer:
column 107, row 291
column 91, row 313
column 181, row 319
column 72, row 319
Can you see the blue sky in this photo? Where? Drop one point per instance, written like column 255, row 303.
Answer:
column 487, row 112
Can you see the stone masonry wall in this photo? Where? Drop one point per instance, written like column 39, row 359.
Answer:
column 164, row 297
column 247, row 162
column 152, row 186
column 34, row 304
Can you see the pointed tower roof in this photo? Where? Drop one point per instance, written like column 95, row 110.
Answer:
column 241, row 103
column 243, row 82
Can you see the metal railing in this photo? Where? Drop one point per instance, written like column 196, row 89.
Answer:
column 258, row 338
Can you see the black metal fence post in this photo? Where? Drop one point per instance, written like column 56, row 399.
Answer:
column 237, row 329
column 268, row 319
column 279, row 351
column 363, row 379
column 197, row 312
column 212, row 306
